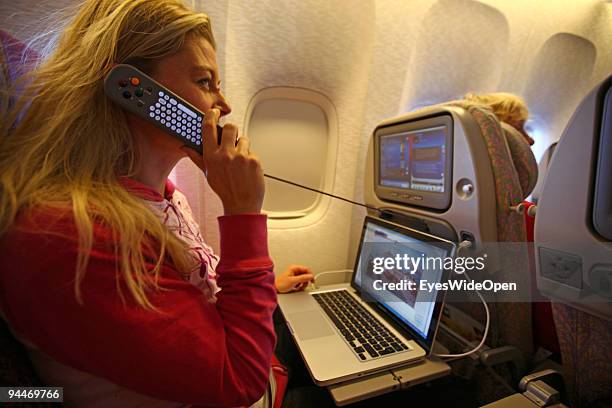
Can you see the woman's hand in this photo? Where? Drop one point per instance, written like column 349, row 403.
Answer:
column 231, row 170
column 294, row 279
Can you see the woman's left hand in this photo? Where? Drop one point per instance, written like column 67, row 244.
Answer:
column 293, row 279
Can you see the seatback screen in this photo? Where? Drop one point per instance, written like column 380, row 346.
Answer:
column 414, row 160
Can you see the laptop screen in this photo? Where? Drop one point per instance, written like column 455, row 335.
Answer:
column 415, row 308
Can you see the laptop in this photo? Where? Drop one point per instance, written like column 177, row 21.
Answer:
column 351, row 330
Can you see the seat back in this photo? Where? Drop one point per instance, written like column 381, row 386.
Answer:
column 491, row 172
column 574, row 247
column 503, row 171
column 514, row 172
column 15, row 366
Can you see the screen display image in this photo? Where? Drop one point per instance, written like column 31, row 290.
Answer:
column 413, row 307
column 395, row 163
column 414, row 160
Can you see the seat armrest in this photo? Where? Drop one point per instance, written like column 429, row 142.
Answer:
column 552, row 377
column 544, row 387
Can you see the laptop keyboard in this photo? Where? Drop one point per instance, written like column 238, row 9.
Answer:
column 361, row 330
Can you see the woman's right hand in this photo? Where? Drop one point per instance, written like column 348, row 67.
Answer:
column 231, row 170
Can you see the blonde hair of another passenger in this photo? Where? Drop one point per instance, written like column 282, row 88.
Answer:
column 65, row 145
column 507, row 107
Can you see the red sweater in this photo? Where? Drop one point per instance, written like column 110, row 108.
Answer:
column 194, row 351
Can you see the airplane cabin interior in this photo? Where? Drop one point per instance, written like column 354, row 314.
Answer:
column 374, row 152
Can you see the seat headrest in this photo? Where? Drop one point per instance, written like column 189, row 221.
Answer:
column 522, row 156
column 16, row 57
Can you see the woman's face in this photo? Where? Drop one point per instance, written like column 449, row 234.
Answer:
column 193, row 74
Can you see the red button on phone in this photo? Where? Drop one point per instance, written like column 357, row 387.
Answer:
column 135, row 81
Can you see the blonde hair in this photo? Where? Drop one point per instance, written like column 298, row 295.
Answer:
column 65, row 145
column 507, row 107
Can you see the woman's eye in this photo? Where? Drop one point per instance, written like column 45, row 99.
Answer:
column 205, row 82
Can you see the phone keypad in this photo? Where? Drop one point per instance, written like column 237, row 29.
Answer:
column 177, row 117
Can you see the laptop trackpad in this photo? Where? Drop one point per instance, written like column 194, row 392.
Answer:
column 310, row 325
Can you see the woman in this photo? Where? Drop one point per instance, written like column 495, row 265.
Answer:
column 104, row 274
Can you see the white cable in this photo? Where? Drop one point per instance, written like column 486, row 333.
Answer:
column 329, row 273
column 462, row 245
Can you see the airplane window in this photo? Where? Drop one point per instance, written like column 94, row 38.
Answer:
column 292, row 138
column 452, row 58
column 565, row 84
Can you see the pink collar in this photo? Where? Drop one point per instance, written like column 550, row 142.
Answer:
column 147, row 192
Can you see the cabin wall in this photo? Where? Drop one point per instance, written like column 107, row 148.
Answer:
column 301, row 44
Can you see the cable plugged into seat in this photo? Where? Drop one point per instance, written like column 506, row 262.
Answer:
column 463, row 245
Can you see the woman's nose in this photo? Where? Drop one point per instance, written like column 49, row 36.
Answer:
column 223, row 105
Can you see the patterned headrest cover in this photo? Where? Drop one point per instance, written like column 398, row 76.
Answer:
column 522, row 156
